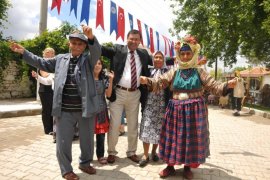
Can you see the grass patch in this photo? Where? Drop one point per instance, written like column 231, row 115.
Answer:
column 259, row 107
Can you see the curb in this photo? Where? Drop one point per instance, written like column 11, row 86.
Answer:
column 18, row 113
column 257, row 112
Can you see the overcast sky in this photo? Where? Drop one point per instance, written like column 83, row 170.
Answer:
column 23, row 18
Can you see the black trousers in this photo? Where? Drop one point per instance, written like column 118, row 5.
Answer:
column 46, row 99
column 236, row 103
column 100, row 138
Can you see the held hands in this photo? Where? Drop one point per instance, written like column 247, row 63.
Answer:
column 87, row 31
column 16, row 47
column 143, row 80
column 231, row 83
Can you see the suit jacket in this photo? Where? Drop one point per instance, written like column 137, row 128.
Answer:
column 83, row 72
column 118, row 55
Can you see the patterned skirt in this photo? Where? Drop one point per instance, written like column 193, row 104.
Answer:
column 102, row 122
column 184, row 136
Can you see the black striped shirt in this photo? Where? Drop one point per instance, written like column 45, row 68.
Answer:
column 71, row 101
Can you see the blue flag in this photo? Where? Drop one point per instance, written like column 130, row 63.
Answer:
column 73, row 6
column 147, row 35
column 157, row 34
column 85, row 10
column 130, row 17
column 113, row 18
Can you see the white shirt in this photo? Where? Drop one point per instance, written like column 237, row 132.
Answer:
column 49, row 80
column 125, row 81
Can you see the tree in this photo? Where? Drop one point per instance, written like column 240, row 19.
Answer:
column 226, row 28
column 4, row 5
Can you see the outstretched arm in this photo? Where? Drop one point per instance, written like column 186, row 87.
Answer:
column 34, row 60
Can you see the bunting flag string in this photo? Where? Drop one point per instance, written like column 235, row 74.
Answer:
column 99, row 14
column 130, row 17
column 113, row 18
column 152, row 48
column 85, row 11
column 56, row 3
column 140, row 29
column 121, row 23
column 117, row 23
column 74, row 6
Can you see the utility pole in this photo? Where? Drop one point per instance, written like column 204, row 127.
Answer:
column 43, row 16
column 42, row 27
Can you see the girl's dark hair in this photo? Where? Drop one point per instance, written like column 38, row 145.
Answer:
column 102, row 74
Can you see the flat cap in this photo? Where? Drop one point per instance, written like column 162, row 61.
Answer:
column 79, row 36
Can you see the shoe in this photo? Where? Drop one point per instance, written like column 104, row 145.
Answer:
column 71, row 176
column 102, row 160
column 134, row 158
column 236, row 114
column 187, row 173
column 122, row 133
column 143, row 162
column 75, row 138
column 155, row 157
column 89, row 169
column 168, row 171
column 111, row 159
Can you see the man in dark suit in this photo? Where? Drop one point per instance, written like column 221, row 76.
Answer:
column 128, row 91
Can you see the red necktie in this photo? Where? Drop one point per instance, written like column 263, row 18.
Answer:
column 133, row 71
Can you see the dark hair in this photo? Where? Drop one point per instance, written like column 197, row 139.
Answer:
column 134, row 31
column 102, row 74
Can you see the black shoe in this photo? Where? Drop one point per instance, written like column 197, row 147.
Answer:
column 143, row 162
column 236, row 114
column 155, row 157
column 122, row 133
column 75, row 138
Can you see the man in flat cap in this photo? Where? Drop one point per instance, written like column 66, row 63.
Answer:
column 74, row 97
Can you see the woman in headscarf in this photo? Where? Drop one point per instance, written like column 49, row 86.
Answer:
column 153, row 112
column 184, row 137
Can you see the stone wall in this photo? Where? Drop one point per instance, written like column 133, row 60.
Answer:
column 13, row 86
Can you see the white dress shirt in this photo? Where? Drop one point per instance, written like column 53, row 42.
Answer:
column 125, row 81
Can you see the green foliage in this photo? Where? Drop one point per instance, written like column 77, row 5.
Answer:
column 226, row 28
column 4, row 5
column 219, row 73
column 105, row 59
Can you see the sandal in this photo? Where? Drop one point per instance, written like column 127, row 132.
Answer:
column 168, row 171
column 102, row 160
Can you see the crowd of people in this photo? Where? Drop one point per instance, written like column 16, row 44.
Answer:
column 174, row 112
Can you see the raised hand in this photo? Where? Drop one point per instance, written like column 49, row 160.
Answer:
column 34, row 74
column 16, row 47
column 87, row 31
column 111, row 75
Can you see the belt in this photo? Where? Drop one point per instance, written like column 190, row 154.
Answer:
column 126, row 89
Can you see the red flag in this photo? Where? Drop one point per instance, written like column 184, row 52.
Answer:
column 121, row 23
column 152, row 48
column 56, row 3
column 140, row 29
column 99, row 16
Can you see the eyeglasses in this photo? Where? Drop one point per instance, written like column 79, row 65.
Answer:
column 187, row 53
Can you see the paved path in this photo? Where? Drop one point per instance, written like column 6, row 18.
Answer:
column 240, row 149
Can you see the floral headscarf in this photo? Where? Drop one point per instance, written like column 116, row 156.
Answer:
column 195, row 48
